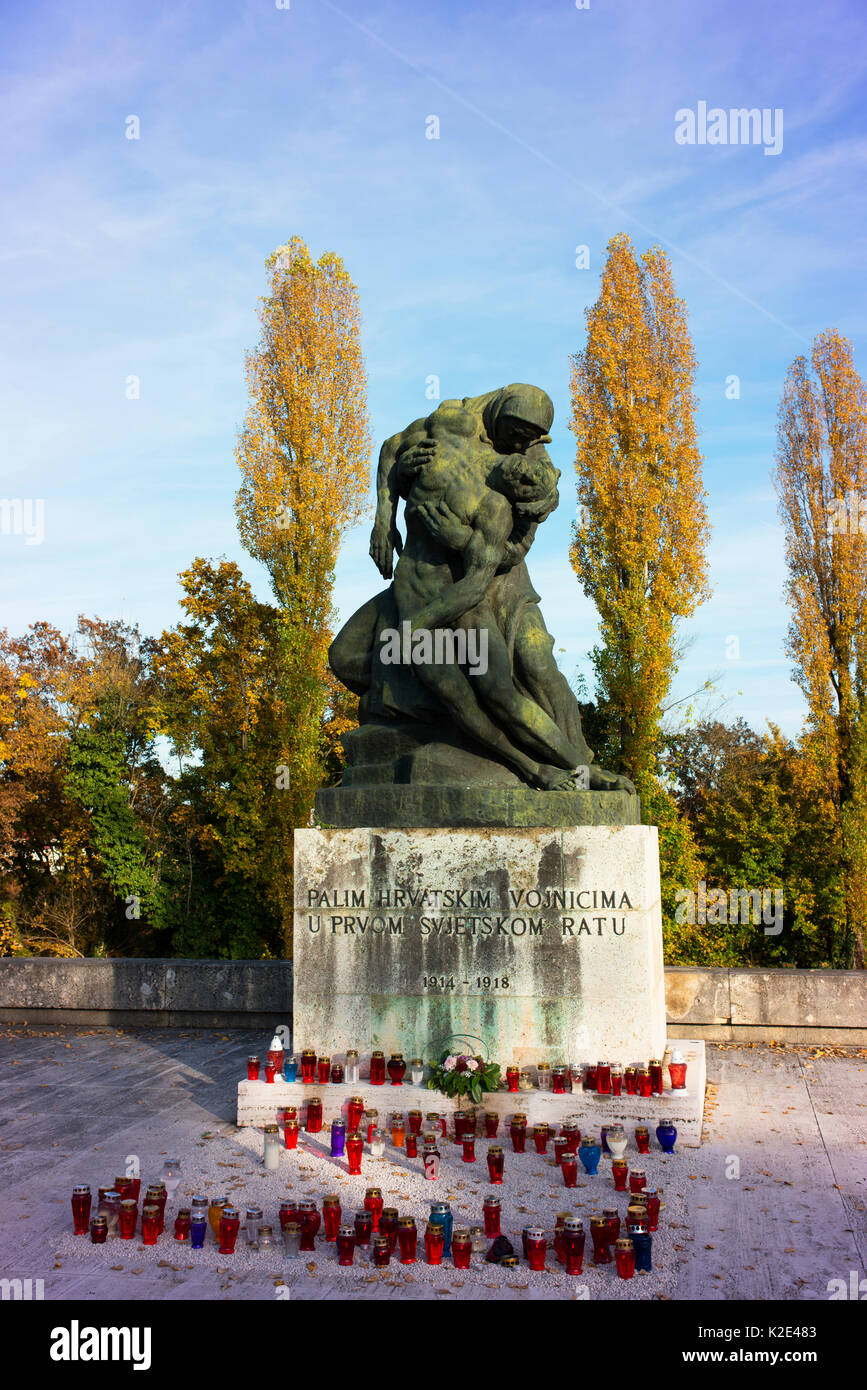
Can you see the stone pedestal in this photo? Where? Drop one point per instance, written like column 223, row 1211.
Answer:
column 545, row 944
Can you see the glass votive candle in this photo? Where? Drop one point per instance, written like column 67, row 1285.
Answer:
column 431, row 1159
column 543, row 1076
column 642, row 1139
column 369, row 1122
column 275, row 1056
column 477, row 1237
column 346, row 1241
column 397, row 1125
column 616, row 1081
column 150, row 1224
column 460, row 1118
column 182, row 1224
column 381, row 1251
column 291, row 1240
column 109, row 1207
column 655, row 1070
column 288, row 1215
column 407, row 1239
column 377, row 1143
column 388, row 1226
column 81, row 1203
column 128, row 1187
column 537, row 1248
column 630, row 1081
column 414, row 1121
column 411, row 1146
column 624, row 1257
column 491, row 1208
column 561, row 1218
column 270, row 1072
column 677, row 1071
column 569, row 1168
column 331, row 1215
column 617, row 1141
column 308, row 1066
column 354, row 1112
column 272, row 1146
column 573, row 1244
column 654, row 1201
column 637, row 1180
column 600, row 1236
column 266, row 1238
column 462, row 1249
column 338, row 1138
column 643, row 1244
column 354, row 1150
column 290, row 1134
column 441, row 1214
column 666, row 1134
column 492, row 1124
column 619, row 1172
column 396, row 1068
column 469, row 1148
column 311, row 1220
column 561, row 1147
column 513, row 1078
column 198, row 1227
column 351, row 1067
column 432, row 1121
column 518, row 1136
column 377, row 1069
column 363, row 1227
column 540, row 1138
column 589, row 1076
column 496, row 1163
column 126, row 1221
column 337, row 1074
column 416, row 1071
column 314, row 1115
column 290, row 1068
column 589, row 1153
column 644, row 1089
column 99, row 1231
column 253, row 1068
column 434, row 1242
column 323, row 1070
column 229, row 1224
column 572, row 1134
column 373, row 1204
column 603, row 1078
column 612, row 1217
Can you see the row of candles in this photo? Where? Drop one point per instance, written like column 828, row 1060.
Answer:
column 375, row 1224
column 603, row 1078
column 347, row 1138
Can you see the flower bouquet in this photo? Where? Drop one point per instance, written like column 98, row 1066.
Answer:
column 457, row 1074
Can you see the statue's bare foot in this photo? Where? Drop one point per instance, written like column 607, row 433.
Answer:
column 555, row 779
column 602, row 781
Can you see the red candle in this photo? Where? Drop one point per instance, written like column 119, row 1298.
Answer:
column 407, row 1237
column 230, row 1223
column 469, row 1143
column 434, row 1242
column 540, row 1138
column 491, row 1213
column 381, row 1251
column 354, row 1112
column 252, row 1068
column 275, row 1057
column 323, row 1067
column 377, row 1069
column 562, row 1218
column 81, row 1203
column 492, row 1124
column 600, row 1237
column 630, row 1081
column 354, row 1150
column 462, row 1249
column 612, row 1217
column 624, row 1257
column 308, row 1066
column 290, row 1134
column 345, row 1245
column 363, row 1227
column 561, row 1146
column 642, row 1139
column 336, row 1074
column 589, row 1077
column 619, row 1172
column 677, row 1072
column 331, row 1214
column 182, row 1224
column 314, row 1115
column 460, row 1119
column 644, row 1085
column 655, row 1077
column 616, row 1081
column 573, row 1244
column 126, row 1221
column 558, row 1083
column 513, row 1077
column 518, row 1134
column 603, row 1078
column 569, row 1169
column 373, row 1204
column 388, row 1226
column 414, row 1121
column 637, row 1180
column 99, row 1231
column 270, row 1071
column 396, row 1068
column 537, row 1247
column 289, row 1214
column 653, row 1205
column 495, row 1163
column 572, row 1134
column 371, row 1119
column 150, row 1224
column 310, row 1223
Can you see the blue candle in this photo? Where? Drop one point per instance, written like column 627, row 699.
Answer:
column 290, row 1069
column 441, row 1215
column 338, row 1138
column 198, row 1226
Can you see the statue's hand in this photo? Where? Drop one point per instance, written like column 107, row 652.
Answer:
column 444, row 525
column 413, row 459
column 384, row 540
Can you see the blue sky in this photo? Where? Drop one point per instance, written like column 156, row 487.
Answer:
column 557, row 126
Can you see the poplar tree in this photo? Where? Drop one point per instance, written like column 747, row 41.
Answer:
column 821, row 482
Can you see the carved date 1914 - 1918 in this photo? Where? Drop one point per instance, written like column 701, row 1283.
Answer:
column 481, row 982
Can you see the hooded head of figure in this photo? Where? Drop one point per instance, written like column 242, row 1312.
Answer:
column 530, row 484
column 517, row 416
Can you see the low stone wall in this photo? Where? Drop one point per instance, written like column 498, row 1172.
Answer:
column 713, row 1004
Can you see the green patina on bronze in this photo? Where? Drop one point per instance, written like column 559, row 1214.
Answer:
column 446, row 741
